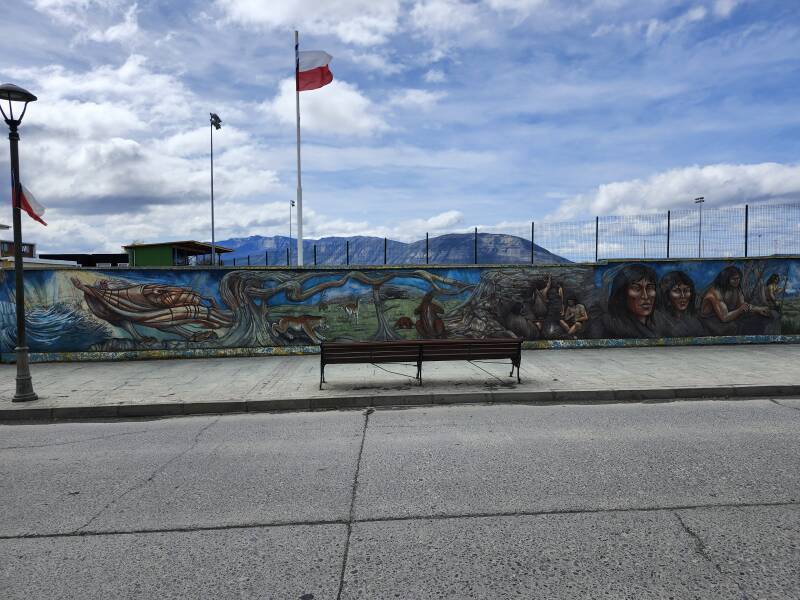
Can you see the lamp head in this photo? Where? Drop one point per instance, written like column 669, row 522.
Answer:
column 13, row 93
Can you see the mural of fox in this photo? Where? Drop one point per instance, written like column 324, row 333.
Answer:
column 308, row 324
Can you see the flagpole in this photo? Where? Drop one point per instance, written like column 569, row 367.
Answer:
column 299, row 185
column 213, row 241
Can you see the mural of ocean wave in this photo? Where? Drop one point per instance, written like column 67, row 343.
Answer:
column 50, row 328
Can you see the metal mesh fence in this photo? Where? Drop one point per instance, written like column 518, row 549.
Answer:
column 639, row 236
column 574, row 241
column 759, row 230
column 773, row 229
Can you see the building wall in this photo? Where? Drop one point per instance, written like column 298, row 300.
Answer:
column 151, row 256
column 221, row 311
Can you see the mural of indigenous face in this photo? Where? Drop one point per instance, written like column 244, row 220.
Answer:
column 633, row 293
column 677, row 293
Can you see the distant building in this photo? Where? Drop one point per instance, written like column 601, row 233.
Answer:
column 7, row 263
column 119, row 259
column 7, row 249
column 169, row 254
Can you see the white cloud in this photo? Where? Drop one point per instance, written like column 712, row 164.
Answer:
column 125, row 30
column 362, row 22
column 721, row 184
column 109, row 145
column 520, row 6
column 65, row 11
column 375, row 62
column 434, row 76
column 440, row 16
column 724, row 8
column 416, row 99
column 336, row 109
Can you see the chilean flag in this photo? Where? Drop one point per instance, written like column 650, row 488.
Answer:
column 312, row 70
column 28, row 203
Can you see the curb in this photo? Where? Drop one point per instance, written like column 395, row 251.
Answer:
column 396, row 400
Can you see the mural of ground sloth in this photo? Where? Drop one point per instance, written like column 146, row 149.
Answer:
column 522, row 303
column 166, row 308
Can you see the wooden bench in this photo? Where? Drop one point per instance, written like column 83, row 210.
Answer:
column 419, row 351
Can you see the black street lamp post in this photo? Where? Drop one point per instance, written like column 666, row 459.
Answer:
column 13, row 93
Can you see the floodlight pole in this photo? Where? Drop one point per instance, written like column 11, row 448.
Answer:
column 699, row 201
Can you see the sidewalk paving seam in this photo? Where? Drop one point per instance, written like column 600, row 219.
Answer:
column 441, row 517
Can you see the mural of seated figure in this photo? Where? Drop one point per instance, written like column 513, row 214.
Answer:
column 725, row 311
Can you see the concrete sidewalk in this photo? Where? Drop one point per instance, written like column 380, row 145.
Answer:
column 281, row 383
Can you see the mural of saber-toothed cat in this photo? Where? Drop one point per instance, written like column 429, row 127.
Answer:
column 163, row 307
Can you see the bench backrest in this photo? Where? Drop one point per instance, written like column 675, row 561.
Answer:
column 416, row 350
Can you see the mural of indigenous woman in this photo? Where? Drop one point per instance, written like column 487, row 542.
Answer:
column 724, row 310
column 677, row 306
column 632, row 303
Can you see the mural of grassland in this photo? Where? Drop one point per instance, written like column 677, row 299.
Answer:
column 181, row 309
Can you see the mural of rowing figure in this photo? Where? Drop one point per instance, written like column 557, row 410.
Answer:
column 308, row 324
column 167, row 308
column 351, row 310
column 429, row 325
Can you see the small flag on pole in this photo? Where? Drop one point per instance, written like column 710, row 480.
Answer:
column 28, row 203
column 312, row 70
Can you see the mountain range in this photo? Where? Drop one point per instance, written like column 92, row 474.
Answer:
column 454, row 248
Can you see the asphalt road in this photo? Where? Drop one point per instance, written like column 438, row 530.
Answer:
column 674, row 500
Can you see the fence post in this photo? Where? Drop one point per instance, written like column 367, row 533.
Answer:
column 476, row 246
column 427, row 256
column 315, row 255
column 234, row 261
column 385, row 243
column 347, row 252
column 248, row 260
column 746, row 227
column 288, row 261
column 532, row 238
column 669, row 220
column 596, row 237
column 266, row 258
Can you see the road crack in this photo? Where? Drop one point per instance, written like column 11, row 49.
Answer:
column 702, row 550
column 158, row 470
column 367, row 413
column 784, row 405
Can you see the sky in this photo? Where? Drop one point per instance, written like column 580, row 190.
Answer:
column 443, row 114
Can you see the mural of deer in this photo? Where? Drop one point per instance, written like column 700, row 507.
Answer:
column 351, row 310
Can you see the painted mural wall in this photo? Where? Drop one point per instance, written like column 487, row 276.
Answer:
column 89, row 310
